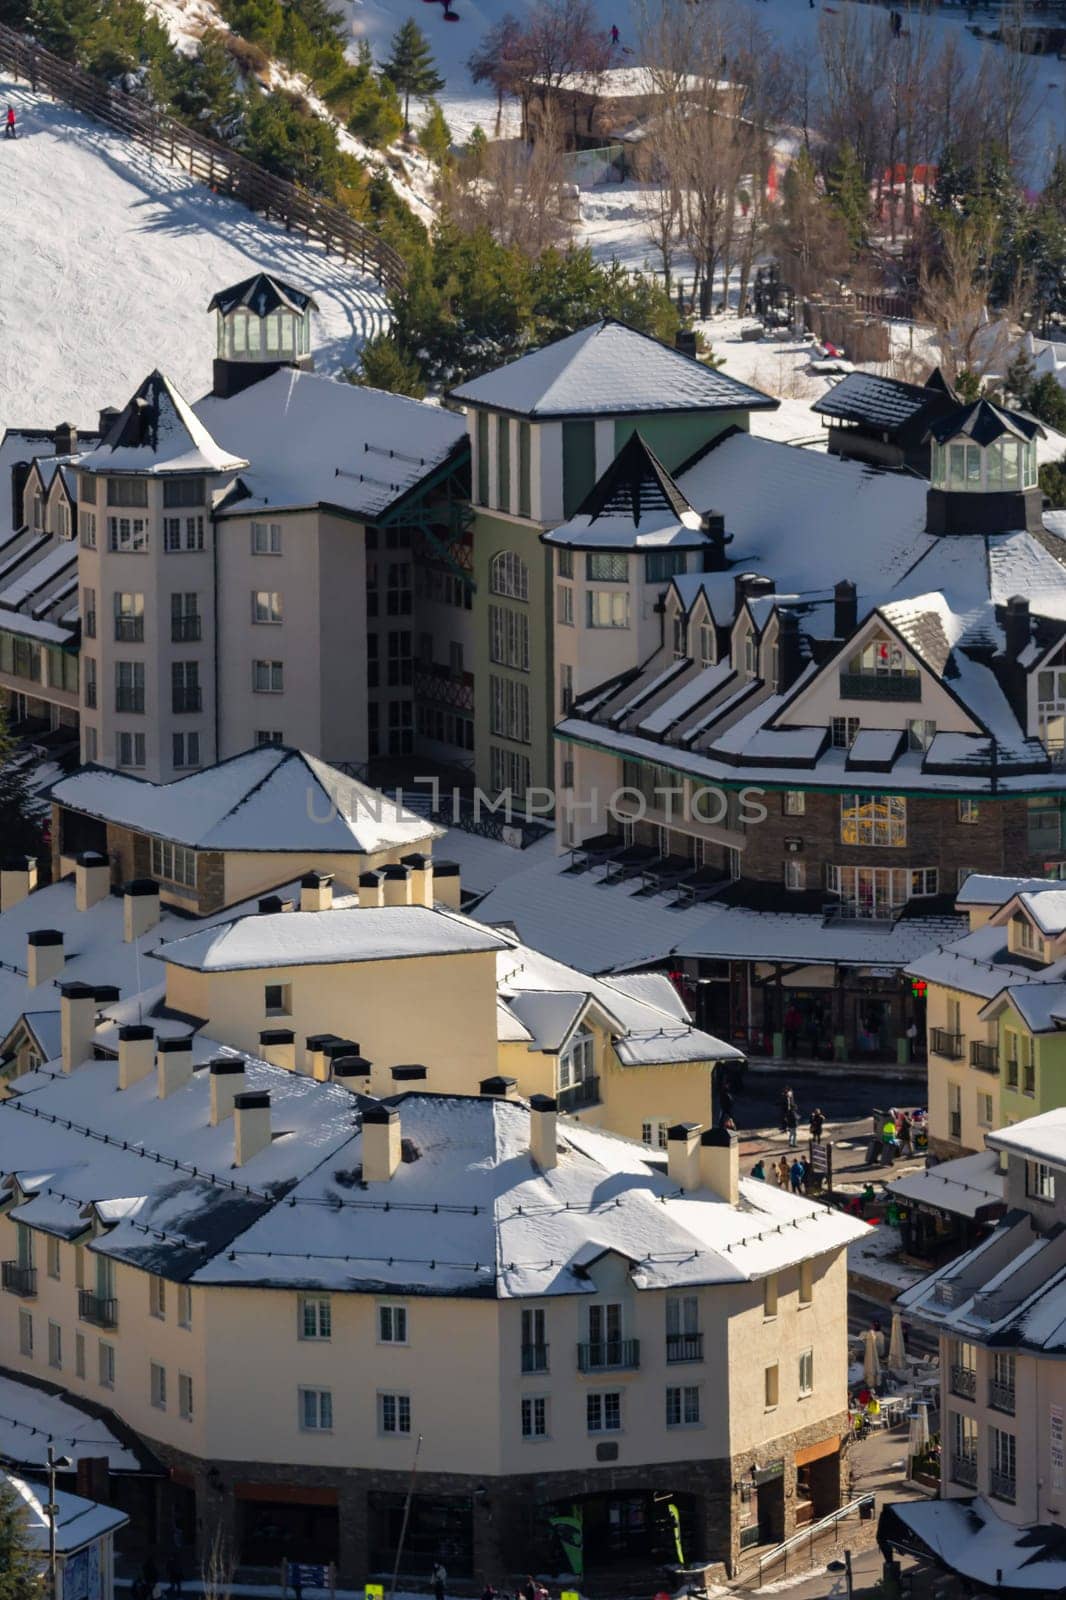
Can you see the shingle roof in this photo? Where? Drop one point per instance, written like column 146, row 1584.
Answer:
column 984, row 422
column 878, row 402
column 262, row 293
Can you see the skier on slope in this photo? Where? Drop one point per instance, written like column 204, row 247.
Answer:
column 9, row 124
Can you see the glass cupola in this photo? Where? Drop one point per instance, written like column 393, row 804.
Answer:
column 984, row 471
column 261, row 324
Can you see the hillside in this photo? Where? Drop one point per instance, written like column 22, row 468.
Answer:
column 109, row 260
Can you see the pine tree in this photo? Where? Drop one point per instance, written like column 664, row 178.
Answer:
column 850, row 195
column 204, row 90
column 21, row 831
column 411, row 67
column 19, row 1577
column 383, row 365
column 435, row 136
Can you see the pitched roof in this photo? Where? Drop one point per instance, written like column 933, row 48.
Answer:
column 866, row 397
column 635, row 504
column 157, row 431
column 261, row 294
column 608, row 369
column 984, row 422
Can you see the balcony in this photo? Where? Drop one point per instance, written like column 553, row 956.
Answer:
column 963, row 1382
column 964, row 1471
column 585, row 1093
column 985, row 1057
column 943, row 1043
column 129, row 630
column 186, row 699
column 1001, row 1397
column 89, row 625
column 185, row 630
column 617, row 1355
column 100, row 1310
column 90, row 696
column 880, row 686
column 534, row 1358
column 684, row 1347
column 129, row 700
column 18, row 1279
column 1002, row 1485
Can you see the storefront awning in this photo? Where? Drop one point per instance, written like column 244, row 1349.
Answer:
column 970, row 1187
column 968, row 1538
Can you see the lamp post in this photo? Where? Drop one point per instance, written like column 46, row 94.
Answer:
column 55, row 1464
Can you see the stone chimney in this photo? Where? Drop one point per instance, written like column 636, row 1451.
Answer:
column 371, row 889
column 316, row 891
column 421, row 870
column 227, row 1081
column 351, row 1072
column 140, row 908
column 397, row 885
column 446, row 884
column 18, row 878
column 845, row 609
column 136, row 1053
column 720, row 1164
column 44, row 956
column 1016, row 626
column 499, row 1088
column 683, row 1155
column 173, row 1065
column 542, row 1147
column 77, row 1023
column 278, row 1046
column 381, row 1143
column 251, row 1125
column 92, row 879
column 789, row 655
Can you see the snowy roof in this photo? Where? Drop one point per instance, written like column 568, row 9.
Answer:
column 157, row 431
column 964, row 1187
column 270, row 798
column 77, row 1521
column 313, row 441
column 33, row 1415
column 262, row 293
column 1040, row 1138
column 990, row 889
column 983, row 422
column 980, row 964
column 969, row 1537
column 607, row 369
column 878, row 402
column 635, row 505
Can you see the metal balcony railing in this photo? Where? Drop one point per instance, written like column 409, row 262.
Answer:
column 534, row 1358
column 880, row 686
column 963, row 1381
column 186, row 699
column 585, row 1093
column 129, row 700
column 684, row 1347
column 18, row 1279
column 100, row 1310
column 1001, row 1396
column 1002, row 1485
column 129, row 630
column 185, row 630
column 943, row 1043
column 985, row 1057
column 964, row 1471
column 615, row 1355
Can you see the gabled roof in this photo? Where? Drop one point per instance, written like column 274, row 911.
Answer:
column 261, row 294
column 877, row 402
column 635, row 505
column 157, row 431
column 607, row 369
column 984, row 422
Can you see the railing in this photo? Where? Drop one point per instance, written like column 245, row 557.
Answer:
column 585, row 1093
column 985, row 1057
column 222, row 169
column 89, row 625
column 1002, row 1486
column 100, row 1310
column 943, row 1043
column 186, row 699
column 534, row 1358
column 1012, row 1073
column 129, row 700
column 963, row 1381
column 684, row 1347
column 880, row 686
column 1001, row 1396
column 964, row 1471
column 18, row 1279
column 799, row 1549
column 129, row 630
column 184, row 630
column 613, row 1355
column 90, row 696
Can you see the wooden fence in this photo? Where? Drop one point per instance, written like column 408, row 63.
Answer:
column 222, row 169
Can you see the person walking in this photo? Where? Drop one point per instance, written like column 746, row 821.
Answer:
column 782, row 1172
column 817, row 1124
column 759, row 1170
column 438, row 1577
column 796, row 1176
column 788, row 1099
column 792, row 1125
column 10, row 131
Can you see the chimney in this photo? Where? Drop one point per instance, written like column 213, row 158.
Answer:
column 44, row 956
column 421, row 870
column 719, row 1164
column 397, row 885
column 92, row 879
column 685, row 342
column 746, row 585
column 499, row 1088
column 20, row 473
column 18, row 878
column 278, row 1046
column 1016, row 626
column 251, row 1125
column 350, row 1072
column 77, row 1023
column 542, row 1111
column 683, row 1155
column 381, row 1143
column 446, row 889
column 140, row 908
column 713, row 524
column 371, row 889
column 227, row 1081
column 845, row 609
column 789, row 656
column 136, row 1054
column 173, row 1065
column 316, row 891
column 270, row 905
column 106, row 420
column 324, row 1048
column 66, row 437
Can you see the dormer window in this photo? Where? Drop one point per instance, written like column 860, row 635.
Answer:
column 751, row 655
column 884, row 657
column 707, row 650
column 680, row 642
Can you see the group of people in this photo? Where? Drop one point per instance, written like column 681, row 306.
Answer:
column 794, row 1175
column 790, row 1119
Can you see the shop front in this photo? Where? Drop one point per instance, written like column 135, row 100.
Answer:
column 599, row 1534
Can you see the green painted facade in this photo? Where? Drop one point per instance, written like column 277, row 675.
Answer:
column 1040, row 1060
column 675, row 436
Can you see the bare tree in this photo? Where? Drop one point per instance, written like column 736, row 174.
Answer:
column 518, row 191
column 498, row 61
column 219, row 1566
column 562, row 38
column 972, row 343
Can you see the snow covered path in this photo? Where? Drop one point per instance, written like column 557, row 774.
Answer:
column 110, row 258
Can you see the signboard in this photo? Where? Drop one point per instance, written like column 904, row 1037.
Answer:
column 305, row 1576
column 376, row 1591
column 1055, row 1434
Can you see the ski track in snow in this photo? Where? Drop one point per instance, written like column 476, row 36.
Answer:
column 110, row 258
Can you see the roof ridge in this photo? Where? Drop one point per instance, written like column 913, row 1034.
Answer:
column 635, row 470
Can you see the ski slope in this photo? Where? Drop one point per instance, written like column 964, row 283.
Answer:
column 109, row 260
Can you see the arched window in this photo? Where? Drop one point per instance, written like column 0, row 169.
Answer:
column 509, row 575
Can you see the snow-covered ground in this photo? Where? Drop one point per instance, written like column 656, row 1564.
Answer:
column 110, row 259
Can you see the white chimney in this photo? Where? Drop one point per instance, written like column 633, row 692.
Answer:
column 397, row 885
column 316, row 891
column 381, row 1143
column 351, row 1072
column 18, row 878
column 446, row 884
column 92, row 879
column 542, row 1146
column 77, row 1023
column 44, row 956
column 278, row 1046
column 683, row 1155
column 136, row 1054
column 251, row 1125
column 720, row 1164
column 371, row 889
column 173, row 1065
column 140, row 908
column 421, row 870
column 227, row 1081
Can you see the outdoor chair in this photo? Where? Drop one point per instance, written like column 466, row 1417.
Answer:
column 593, row 852
column 701, row 884
column 628, row 862
column 664, row 874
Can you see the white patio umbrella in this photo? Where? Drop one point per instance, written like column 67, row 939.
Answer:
column 871, row 1363
column 919, row 1432
column 897, row 1354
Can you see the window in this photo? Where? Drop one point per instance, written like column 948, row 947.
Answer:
column 806, row 1372
column 277, row 999
column 963, row 1438
column 185, row 692
column 509, row 575
column 400, row 666
column 680, row 632
column 398, row 596
column 316, row 1410
column 127, row 535
column 392, row 1324
column 316, row 1317
column 508, row 770
column 183, row 491
column 183, row 533
column 394, row 1413
column 662, row 565
column 577, row 1062
column 607, row 608
column 482, row 440
column 845, row 731
column 1004, row 1463
column 751, row 654
column 564, row 566
column 509, row 709
column 174, row 863
column 564, row 604
column 566, row 688
column 1043, row 827
column 88, row 612
column 920, row 733
column 769, row 1296
column 266, row 538
column 267, row 677
column 503, row 463
column 984, row 1110
column 1039, row 1180
column 268, row 736
column 79, row 1355
column 682, row 1315
column 654, row 1132
column 877, row 819
column 534, row 1416
column 509, row 637
column 185, row 748
column 51, row 1250
column 184, row 618
column 524, row 444
column 184, row 1306
column 55, row 1345
column 806, row 1283
column 969, row 810
column 795, row 875
column 770, row 1387
column 707, row 649
column 266, row 606
column 131, row 750
column 157, row 1296
column 185, row 1396
column 603, row 1411
column 87, row 529
column 127, row 491
column 25, row 1334
column 90, row 744
column 606, row 566
column 129, row 686
column 682, row 1405
column 158, row 1385
column 534, row 1341
column 794, row 803
column 106, row 1365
